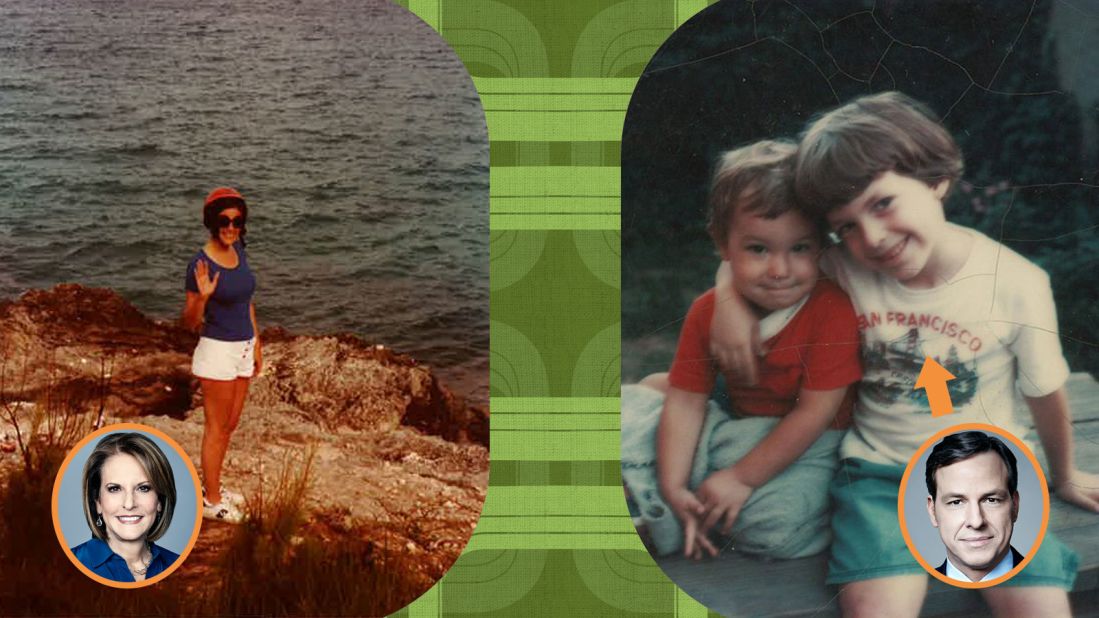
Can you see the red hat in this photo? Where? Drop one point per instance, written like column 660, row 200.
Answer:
column 222, row 192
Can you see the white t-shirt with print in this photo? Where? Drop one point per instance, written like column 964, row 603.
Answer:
column 993, row 326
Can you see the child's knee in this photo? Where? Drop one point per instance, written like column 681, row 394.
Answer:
column 1028, row 601
column 885, row 596
column 658, row 381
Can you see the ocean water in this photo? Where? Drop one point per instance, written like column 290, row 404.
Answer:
column 352, row 129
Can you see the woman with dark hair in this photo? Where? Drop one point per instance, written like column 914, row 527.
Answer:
column 129, row 498
column 219, row 306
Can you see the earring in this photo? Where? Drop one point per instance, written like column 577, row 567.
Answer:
column 99, row 522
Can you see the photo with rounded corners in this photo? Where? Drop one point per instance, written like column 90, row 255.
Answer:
column 102, row 506
column 739, row 73
column 350, row 152
column 983, row 525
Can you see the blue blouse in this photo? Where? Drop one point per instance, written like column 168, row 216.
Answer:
column 228, row 311
column 98, row 557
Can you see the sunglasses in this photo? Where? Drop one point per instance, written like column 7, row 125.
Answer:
column 237, row 222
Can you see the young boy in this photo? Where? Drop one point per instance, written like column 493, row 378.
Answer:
column 877, row 170
column 710, row 468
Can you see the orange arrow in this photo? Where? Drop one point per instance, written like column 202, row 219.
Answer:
column 933, row 379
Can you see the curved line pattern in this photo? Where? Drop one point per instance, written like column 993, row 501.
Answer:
column 618, row 587
column 622, row 62
column 477, row 573
column 500, row 553
column 600, row 34
column 471, row 59
column 624, row 555
column 515, row 38
column 500, row 236
column 599, row 250
column 632, row 42
column 599, row 359
column 512, row 255
column 510, row 585
column 622, row 568
column 611, row 379
column 517, row 368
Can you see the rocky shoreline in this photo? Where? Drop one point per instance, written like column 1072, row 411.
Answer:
column 395, row 452
column 72, row 337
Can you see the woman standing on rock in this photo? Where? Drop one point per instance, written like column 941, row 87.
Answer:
column 219, row 306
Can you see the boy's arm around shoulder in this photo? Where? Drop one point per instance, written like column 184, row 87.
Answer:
column 734, row 330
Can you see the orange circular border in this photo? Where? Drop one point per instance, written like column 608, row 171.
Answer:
column 57, row 490
column 1041, row 483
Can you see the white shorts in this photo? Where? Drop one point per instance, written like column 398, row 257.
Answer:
column 223, row 360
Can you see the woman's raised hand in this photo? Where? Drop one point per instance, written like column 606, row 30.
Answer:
column 206, row 285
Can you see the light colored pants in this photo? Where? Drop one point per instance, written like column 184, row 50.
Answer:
column 786, row 518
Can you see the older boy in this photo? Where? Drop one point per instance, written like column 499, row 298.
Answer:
column 877, row 170
column 773, row 248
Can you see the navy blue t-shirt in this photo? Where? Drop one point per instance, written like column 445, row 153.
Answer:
column 228, row 316
column 98, row 557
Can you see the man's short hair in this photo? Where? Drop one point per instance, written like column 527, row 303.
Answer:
column 961, row 446
column 758, row 178
column 844, row 150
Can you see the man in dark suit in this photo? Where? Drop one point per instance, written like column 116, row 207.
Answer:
column 1016, row 558
column 973, row 500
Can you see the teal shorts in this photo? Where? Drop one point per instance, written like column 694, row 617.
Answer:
column 866, row 534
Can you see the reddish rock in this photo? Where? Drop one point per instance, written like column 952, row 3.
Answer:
column 398, row 462
column 85, row 342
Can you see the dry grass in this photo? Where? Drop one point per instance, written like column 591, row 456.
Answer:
column 36, row 577
column 277, row 566
column 58, row 417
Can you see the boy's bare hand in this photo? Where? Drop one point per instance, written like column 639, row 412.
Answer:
column 1080, row 488
column 689, row 511
column 734, row 338
column 695, row 542
column 723, row 494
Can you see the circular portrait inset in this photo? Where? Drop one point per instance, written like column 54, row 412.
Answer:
column 973, row 505
column 125, row 505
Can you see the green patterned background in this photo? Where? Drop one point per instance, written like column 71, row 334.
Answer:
column 555, row 79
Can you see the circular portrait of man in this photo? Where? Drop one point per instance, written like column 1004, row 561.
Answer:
column 975, row 506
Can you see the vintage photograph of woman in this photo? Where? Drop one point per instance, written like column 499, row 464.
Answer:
column 219, row 306
column 268, row 239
